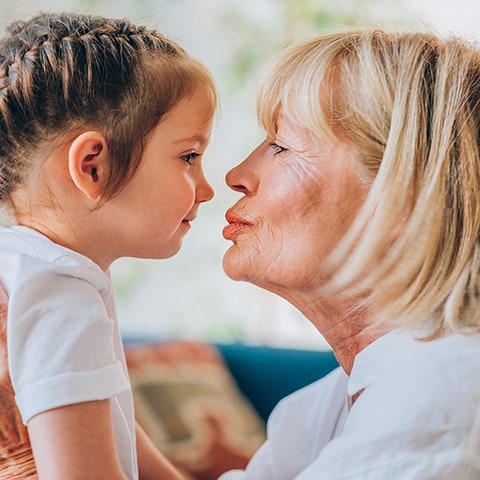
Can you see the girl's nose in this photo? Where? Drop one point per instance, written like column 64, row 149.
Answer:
column 204, row 191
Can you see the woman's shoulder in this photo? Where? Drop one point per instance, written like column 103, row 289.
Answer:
column 418, row 411
column 431, row 383
column 443, row 364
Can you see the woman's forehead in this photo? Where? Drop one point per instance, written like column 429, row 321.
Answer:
column 297, row 137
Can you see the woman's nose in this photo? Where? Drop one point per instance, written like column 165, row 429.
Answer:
column 233, row 180
column 243, row 178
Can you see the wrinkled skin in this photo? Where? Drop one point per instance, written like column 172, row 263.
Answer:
column 296, row 206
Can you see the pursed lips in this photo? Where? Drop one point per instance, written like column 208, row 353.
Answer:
column 235, row 224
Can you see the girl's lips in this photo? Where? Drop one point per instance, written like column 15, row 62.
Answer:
column 236, row 223
column 190, row 218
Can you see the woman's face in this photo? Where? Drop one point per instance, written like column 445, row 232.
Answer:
column 300, row 195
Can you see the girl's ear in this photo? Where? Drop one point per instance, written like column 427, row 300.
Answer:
column 87, row 163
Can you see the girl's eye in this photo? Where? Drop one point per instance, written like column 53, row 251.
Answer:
column 277, row 148
column 189, row 157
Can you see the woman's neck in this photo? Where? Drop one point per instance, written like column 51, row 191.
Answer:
column 348, row 330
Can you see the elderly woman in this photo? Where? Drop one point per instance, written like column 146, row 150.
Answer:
column 362, row 209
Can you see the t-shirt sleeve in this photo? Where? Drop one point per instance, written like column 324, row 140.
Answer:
column 60, row 343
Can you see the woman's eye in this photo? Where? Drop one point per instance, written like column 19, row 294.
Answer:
column 189, row 157
column 277, row 148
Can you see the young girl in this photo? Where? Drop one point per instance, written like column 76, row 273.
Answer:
column 103, row 125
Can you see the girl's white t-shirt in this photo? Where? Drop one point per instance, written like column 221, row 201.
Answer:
column 63, row 340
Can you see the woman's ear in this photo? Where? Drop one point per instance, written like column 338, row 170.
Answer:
column 87, row 163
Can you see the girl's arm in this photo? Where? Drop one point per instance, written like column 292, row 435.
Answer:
column 75, row 442
column 152, row 465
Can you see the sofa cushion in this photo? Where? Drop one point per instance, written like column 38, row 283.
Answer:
column 190, row 406
column 267, row 374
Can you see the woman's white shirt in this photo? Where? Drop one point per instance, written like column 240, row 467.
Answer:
column 417, row 417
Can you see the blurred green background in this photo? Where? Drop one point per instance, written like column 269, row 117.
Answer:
column 189, row 296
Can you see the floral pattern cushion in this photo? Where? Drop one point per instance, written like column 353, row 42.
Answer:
column 16, row 458
column 190, row 406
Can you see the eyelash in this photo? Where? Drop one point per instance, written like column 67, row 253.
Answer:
column 189, row 157
column 277, row 149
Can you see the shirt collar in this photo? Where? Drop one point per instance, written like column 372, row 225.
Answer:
column 380, row 356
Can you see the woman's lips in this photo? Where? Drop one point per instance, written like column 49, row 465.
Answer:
column 236, row 223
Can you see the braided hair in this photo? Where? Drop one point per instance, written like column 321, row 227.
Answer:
column 61, row 73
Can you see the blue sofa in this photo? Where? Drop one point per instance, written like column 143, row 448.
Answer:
column 267, row 374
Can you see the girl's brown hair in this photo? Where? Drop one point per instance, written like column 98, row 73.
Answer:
column 62, row 73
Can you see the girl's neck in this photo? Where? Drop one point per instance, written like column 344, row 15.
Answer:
column 64, row 234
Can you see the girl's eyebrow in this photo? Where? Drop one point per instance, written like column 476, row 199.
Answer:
column 193, row 138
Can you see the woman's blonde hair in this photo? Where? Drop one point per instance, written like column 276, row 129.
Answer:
column 409, row 106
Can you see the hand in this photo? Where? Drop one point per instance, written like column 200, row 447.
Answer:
column 152, row 465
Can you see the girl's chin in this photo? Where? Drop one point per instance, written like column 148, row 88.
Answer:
column 161, row 253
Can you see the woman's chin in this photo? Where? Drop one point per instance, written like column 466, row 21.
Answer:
column 232, row 266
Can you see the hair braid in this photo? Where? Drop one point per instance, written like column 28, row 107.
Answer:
column 63, row 72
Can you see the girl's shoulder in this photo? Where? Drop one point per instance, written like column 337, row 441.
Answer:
column 27, row 256
column 19, row 240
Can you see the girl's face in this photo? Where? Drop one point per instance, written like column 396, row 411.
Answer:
column 300, row 195
column 154, row 211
